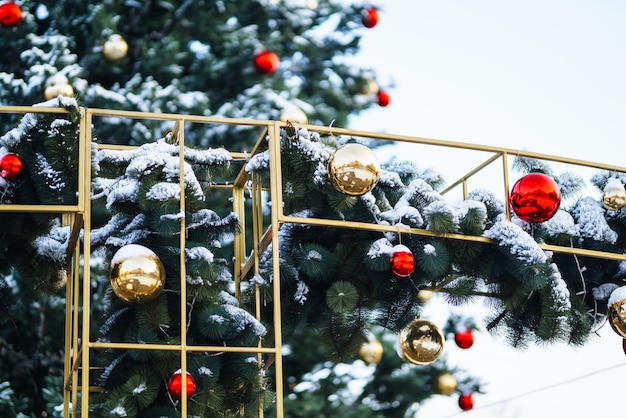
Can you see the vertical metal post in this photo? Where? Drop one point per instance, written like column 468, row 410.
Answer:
column 183, row 270
column 276, row 191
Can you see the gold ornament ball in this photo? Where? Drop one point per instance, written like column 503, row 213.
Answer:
column 115, row 48
column 370, row 87
column 424, row 295
column 420, row 342
column 353, row 169
column 293, row 114
column 614, row 195
column 617, row 317
column 137, row 274
column 58, row 85
column 371, row 352
column 445, row 384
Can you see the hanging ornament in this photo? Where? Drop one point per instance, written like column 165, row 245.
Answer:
column 10, row 166
column 402, row 261
column 293, row 114
column 424, row 295
column 383, row 98
column 58, row 85
column 115, row 48
column 175, row 385
column 10, row 14
column 371, row 351
column 624, row 345
column 370, row 87
column 466, row 401
column 420, row 342
column 137, row 274
column 614, row 194
column 353, row 169
column 370, row 17
column 266, row 62
column 617, row 311
column 535, row 198
column 445, row 384
column 464, row 339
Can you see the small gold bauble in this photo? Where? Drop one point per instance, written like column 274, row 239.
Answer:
column 614, row 196
column 445, row 384
column 353, row 169
column 293, row 114
column 115, row 48
column 137, row 274
column 420, row 342
column 58, row 85
column 370, row 87
column 424, row 295
column 371, row 352
column 617, row 317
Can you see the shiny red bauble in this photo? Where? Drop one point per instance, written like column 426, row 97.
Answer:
column 383, row 98
column 370, row 18
column 464, row 339
column 466, row 401
column 175, row 385
column 10, row 14
column 402, row 261
column 535, row 198
column 10, row 166
column 266, row 62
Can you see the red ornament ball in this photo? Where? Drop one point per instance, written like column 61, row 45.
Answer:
column 464, row 339
column 624, row 345
column 535, row 198
column 266, row 62
column 383, row 98
column 370, row 18
column 466, row 401
column 10, row 166
column 10, row 14
column 402, row 261
column 175, row 385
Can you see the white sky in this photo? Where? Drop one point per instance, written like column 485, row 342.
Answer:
column 542, row 76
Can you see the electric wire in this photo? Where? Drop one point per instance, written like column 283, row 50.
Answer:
column 540, row 389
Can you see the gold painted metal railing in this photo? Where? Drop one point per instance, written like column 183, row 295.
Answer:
column 78, row 344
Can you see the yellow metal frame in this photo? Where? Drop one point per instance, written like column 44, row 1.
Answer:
column 78, row 290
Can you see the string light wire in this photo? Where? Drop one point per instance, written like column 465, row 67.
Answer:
column 541, row 389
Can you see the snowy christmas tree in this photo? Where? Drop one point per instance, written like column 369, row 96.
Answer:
column 260, row 257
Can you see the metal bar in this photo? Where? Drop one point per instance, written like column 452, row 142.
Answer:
column 84, row 195
column 177, row 347
column 276, row 189
column 183, row 270
column 10, row 207
column 240, row 239
column 463, row 179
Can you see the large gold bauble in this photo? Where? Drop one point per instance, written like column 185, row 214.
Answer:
column 445, row 384
column 420, row 342
column 614, row 195
column 137, row 274
column 371, row 352
column 115, row 48
column 617, row 317
column 353, row 169
column 58, row 85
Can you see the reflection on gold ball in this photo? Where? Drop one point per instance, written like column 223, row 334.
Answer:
column 614, row 196
column 424, row 295
column 371, row 352
column 445, row 384
column 420, row 342
column 58, row 85
column 353, row 169
column 617, row 317
column 137, row 274
column 115, row 48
